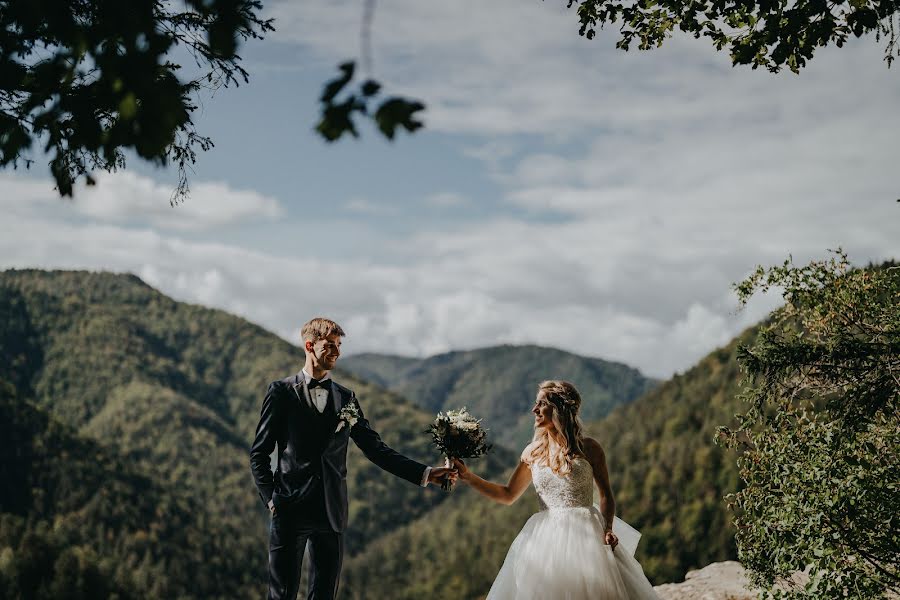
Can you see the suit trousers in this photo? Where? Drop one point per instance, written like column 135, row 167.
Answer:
column 291, row 528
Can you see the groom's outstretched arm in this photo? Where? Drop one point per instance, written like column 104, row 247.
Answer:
column 267, row 434
column 371, row 444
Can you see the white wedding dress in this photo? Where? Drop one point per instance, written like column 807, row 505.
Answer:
column 560, row 553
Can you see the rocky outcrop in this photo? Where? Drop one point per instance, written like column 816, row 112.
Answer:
column 717, row 581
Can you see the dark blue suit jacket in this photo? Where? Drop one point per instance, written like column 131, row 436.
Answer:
column 311, row 453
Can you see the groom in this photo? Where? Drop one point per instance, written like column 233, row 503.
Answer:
column 311, row 418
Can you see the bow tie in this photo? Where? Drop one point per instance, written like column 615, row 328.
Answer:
column 314, row 383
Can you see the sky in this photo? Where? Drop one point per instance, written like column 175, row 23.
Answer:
column 563, row 192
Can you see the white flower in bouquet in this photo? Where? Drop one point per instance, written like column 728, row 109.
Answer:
column 348, row 416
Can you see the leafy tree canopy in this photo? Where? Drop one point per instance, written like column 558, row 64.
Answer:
column 822, row 435
column 86, row 80
column 767, row 33
column 89, row 79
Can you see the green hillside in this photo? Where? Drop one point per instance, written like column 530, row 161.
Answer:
column 498, row 384
column 454, row 551
column 668, row 475
column 668, row 479
column 78, row 521
column 157, row 400
column 174, row 390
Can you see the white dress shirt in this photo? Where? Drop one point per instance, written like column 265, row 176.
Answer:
column 319, row 395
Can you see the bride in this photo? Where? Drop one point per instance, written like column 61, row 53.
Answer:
column 568, row 550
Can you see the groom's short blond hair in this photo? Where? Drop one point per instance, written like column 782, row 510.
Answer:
column 319, row 329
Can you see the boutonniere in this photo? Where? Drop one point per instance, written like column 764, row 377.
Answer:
column 348, row 416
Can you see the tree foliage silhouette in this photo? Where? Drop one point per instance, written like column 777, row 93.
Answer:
column 822, row 433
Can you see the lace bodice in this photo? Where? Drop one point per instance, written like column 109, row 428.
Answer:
column 572, row 491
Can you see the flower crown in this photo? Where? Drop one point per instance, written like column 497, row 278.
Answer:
column 562, row 402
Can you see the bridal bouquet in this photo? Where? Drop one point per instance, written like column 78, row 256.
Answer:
column 457, row 434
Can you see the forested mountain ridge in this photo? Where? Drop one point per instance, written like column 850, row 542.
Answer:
column 498, row 384
column 134, row 332
column 174, row 390
column 454, row 551
column 668, row 475
column 78, row 521
column 668, row 479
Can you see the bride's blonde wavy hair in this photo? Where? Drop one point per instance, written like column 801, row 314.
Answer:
column 565, row 401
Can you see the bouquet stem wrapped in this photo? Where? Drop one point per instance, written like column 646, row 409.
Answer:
column 447, row 485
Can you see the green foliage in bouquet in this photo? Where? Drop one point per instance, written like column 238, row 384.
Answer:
column 822, row 434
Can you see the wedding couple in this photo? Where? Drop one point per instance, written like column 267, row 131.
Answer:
column 567, row 550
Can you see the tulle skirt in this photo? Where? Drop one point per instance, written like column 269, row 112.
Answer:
column 560, row 554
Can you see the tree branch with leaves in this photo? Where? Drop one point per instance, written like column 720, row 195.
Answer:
column 772, row 34
column 86, row 80
column 821, row 437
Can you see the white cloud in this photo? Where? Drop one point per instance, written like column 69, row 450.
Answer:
column 509, row 67
column 126, row 197
column 636, row 188
column 474, row 63
column 446, row 200
column 602, row 288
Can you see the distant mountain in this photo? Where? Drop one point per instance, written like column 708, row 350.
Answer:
column 499, row 383
column 173, row 390
column 129, row 417
column 668, row 479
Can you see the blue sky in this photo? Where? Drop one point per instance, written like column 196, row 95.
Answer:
column 563, row 192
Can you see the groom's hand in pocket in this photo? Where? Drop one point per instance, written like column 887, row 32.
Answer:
column 271, row 508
